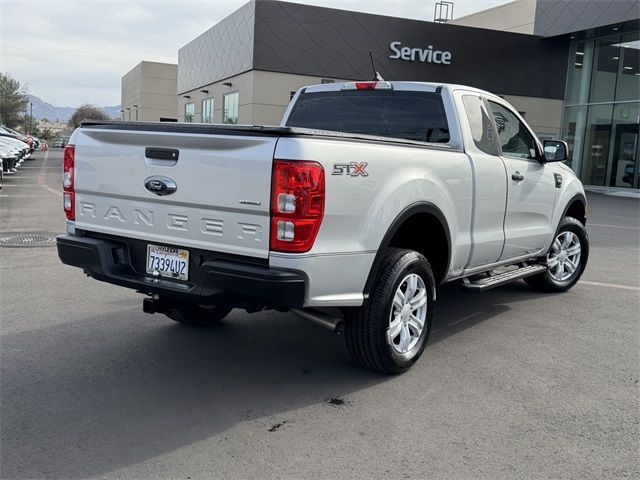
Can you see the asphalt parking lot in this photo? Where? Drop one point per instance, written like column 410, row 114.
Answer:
column 514, row 383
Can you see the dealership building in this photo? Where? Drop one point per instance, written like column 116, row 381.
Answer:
column 148, row 93
column 570, row 68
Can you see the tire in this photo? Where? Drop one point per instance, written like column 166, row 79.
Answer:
column 368, row 329
column 197, row 316
column 551, row 280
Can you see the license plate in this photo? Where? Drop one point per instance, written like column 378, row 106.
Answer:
column 168, row 262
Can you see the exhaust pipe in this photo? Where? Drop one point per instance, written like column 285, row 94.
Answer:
column 334, row 324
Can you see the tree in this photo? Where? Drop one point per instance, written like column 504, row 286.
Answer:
column 46, row 134
column 87, row 112
column 13, row 101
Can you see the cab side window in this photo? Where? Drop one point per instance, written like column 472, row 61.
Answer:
column 514, row 138
column 480, row 124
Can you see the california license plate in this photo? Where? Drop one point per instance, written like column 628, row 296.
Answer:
column 168, row 262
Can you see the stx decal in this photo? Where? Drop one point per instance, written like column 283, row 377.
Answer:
column 352, row 169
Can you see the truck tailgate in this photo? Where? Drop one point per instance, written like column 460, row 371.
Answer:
column 221, row 201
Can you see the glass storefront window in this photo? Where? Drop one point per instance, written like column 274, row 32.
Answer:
column 230, row 108
column 578, row 77
column 628, row 87
column 602, row 110
column 189, row 111
column 605, row 69
column 207, row 110
column 597, row 145
column 573, row 128
column 623, row 167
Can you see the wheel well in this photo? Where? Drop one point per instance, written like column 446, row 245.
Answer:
column 424, row 233
column 577, row 210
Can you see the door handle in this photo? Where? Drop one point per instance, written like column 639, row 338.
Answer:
column 517, row 177
column 162, row 153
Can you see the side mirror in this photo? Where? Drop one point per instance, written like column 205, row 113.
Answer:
column 555, row 151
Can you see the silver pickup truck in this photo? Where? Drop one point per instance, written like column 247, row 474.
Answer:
column 350, row 214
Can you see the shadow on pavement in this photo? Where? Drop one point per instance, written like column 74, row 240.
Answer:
column 88, row 397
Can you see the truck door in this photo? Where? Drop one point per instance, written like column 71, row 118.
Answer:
column 530, row 186
column 490, row 182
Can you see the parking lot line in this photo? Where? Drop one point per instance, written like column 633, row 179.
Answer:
column 42, row 175
column 611, row 285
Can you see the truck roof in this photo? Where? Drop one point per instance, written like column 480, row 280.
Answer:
column 399, row 85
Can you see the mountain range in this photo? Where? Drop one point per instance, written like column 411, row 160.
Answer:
column 42, row 109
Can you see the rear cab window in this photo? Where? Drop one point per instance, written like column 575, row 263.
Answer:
column 410, row 115
column 480, row 124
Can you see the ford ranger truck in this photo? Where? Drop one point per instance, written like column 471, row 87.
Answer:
column 350, row 214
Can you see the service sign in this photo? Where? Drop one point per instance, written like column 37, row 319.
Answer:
column 424, row 55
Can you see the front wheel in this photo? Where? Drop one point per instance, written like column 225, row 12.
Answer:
column 198, row 316
column 389, row 332
column 566, row 259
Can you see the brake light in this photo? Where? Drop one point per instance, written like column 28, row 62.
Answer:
column 68, row 174
column 367, row 86
column 297, row 205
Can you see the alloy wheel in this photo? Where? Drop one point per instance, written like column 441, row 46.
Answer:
column 564, row 258
column 408, row 314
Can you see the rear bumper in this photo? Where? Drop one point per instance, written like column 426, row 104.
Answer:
column 212, row 281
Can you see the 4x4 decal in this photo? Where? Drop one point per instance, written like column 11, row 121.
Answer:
column 352, row 169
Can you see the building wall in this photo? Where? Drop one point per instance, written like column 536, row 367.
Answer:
column 263, row 96
column 568, row 16
column 242, row 83
column 152, row 86
column 518, row 17
column 544, row 115
column 223, row 51
column 326, row 42
column 272, row 92
column 548, row 18
column 55, row 127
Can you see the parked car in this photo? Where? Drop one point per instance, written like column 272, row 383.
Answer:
column 15, row 152
column 350, row 214
column 6, row 131
column 9, row 159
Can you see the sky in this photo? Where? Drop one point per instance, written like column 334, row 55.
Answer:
column 70, row 52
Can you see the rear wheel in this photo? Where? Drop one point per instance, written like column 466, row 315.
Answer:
column 566, row 259
column 198, row 316
column 390, row 331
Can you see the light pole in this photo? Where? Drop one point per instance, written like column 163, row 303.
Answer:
column 121, row 114
column 31, row 124
column 129, row 111
column 136, row 107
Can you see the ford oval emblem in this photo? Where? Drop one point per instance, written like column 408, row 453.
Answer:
column 160, row 185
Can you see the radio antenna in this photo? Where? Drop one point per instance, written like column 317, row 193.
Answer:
column 376, row 75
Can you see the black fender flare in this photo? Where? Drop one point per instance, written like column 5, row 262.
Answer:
column 580, row 197
column 577, row 197
column 408, row 212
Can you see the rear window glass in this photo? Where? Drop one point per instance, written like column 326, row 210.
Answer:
column 400, row 114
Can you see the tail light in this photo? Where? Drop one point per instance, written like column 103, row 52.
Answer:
column 68, row 179
column 297, row 205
